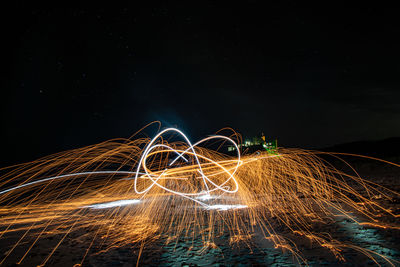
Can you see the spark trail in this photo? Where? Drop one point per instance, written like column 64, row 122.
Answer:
column 133, row 191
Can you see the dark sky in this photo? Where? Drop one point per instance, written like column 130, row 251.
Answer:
column 312, row 77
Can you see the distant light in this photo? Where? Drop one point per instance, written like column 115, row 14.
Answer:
column 113, row 204
column 225, row 207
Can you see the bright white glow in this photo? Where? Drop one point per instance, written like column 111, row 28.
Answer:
column 205, row 197
column 225, row 207
column 206, row 180
column 113, row 204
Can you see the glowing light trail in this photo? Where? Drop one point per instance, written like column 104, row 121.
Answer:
column 226, row 207
column 65, row 176
column 183, row 189
column 113, row 204
column 150, row 147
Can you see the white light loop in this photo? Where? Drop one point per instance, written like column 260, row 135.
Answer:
column 222, row 187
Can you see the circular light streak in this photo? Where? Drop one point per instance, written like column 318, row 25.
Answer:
column 152, row 146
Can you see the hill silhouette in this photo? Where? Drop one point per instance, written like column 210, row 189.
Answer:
column 386, row 148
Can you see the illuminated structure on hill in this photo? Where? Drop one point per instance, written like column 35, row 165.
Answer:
column 270, row 146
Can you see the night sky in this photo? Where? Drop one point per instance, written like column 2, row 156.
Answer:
column 311, row 77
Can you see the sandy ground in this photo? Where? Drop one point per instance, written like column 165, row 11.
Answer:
column 260, row 253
